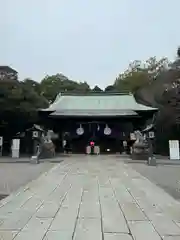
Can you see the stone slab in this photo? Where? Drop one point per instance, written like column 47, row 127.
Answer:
column 88, row 229
column 29, row 235
column 133, row 212
column 37, row 224
column 90, row 206
column 7, row 235
column 112, row 216
column 47, row 210
column 15, row 203
column 65, row 219
column 1, row 221
column 32, row 204
column 114, row 222
column 58, row 235
column 128, row 205
column 143, row 230
column 164, row 225
column 90, row 210
column 171, row 238
column 16, row 221
column 117, row 236
column 178, row 223
column 73, row 197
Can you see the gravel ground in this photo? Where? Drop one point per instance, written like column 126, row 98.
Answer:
column 15, row 175
column 165, row 176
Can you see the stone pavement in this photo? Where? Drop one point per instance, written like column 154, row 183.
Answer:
column 90, row 199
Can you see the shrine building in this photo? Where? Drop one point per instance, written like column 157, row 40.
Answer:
column 108, row 119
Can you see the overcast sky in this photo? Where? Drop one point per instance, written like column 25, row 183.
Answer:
column 86, row 40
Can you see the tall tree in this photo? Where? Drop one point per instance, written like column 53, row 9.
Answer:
column 19, row 105
column 51, row 86
column 140, row 74
column 31, row 84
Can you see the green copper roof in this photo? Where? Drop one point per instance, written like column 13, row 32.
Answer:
column 97, row 104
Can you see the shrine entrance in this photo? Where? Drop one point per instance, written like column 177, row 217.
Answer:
column 103, row 134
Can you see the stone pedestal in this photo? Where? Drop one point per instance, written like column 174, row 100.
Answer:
column 140, row 151
column 34, row 160
column 88, row 150
column 96, row 150
column 47, row 150
column 15, row 153
column 151, row 161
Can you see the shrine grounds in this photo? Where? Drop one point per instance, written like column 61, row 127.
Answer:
column 166, row 174
column 15, row 175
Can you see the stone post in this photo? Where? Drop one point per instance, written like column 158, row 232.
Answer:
column 151, row 159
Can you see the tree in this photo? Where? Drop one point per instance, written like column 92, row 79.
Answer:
column 140, row 74
column 168, row 118
column 51, row 86
column 31, row 84
column 97, row 89
column 82, row 87
column 19, row 105
column 110, row 88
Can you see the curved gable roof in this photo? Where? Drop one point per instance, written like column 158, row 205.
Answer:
column 101, row 104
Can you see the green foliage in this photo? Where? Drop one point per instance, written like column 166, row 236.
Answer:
column 110, row 88
column 96, row 89
column 140, row 74
column 51, row 86
column 19, row 104
column 17, row 96
column 33, row 85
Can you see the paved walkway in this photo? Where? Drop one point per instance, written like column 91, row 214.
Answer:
column 90, row 199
